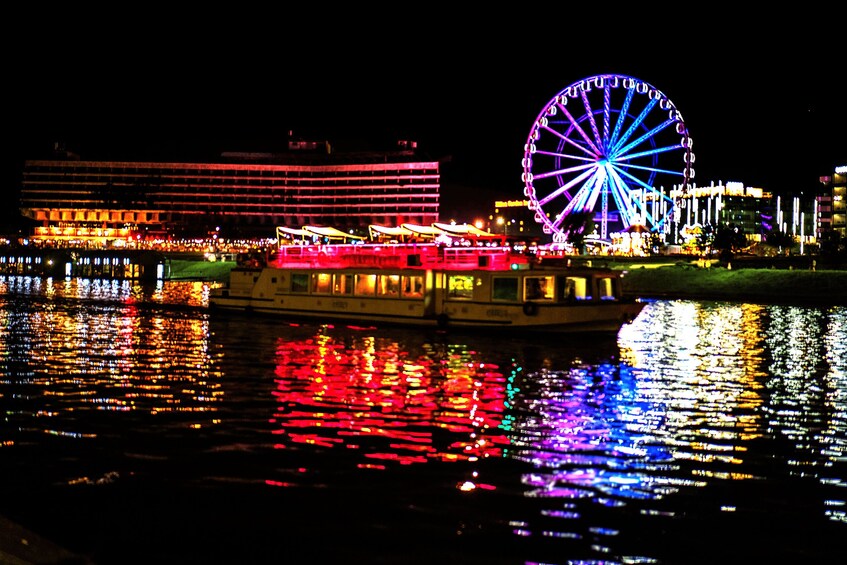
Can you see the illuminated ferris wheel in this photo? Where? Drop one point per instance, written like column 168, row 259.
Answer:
column 607, row 144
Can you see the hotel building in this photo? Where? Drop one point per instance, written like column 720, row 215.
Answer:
column 237, row 195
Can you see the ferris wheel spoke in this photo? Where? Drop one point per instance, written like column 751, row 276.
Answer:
column 652, row 133
column 589, row 112
column 591, row 158
column 648, row 169
column 586, row 197
column 635, row 125
column 621, row 183
column 621, row 116
column 607, row 107
column 599, row 184
column 560, row 172
column 578, row 128
column 591, row 154
column 648, row 217
column 564, row 188
column 619, row 190
column 633, row 178
column 638, row 209
column 655, row 151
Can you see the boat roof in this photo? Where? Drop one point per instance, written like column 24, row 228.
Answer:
column 322, row 231
column 402, row 232
column 393, row 231
column 463, row 230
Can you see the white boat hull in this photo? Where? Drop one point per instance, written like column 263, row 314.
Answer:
column 265, row 291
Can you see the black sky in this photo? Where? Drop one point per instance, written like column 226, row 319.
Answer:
column 764, row 104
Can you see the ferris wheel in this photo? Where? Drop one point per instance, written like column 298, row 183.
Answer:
column 607, row 144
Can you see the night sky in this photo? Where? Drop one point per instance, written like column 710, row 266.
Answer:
column 762, row 103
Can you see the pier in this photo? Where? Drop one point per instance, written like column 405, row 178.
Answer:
column 79, row 262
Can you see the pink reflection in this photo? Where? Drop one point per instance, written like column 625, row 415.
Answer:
column 393, row 406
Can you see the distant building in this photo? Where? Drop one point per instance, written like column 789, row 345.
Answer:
column 514, row 218
column 239, row 194
column 751, row 209
column 833, row 202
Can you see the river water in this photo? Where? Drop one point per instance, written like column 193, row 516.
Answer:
column 139, row 428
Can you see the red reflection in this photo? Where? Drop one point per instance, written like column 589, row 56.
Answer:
column 393, row 406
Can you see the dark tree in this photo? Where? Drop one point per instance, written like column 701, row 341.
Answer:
column 833, row 244
column 576, row 226
column 728, row 240
column 782, row 241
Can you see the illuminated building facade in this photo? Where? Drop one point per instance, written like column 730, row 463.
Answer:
column 833, row 202
column 244, row 194
column 753, row 210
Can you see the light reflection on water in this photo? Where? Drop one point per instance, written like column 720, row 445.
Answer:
column 184, row 293
column 389, row 402
column 703, row 421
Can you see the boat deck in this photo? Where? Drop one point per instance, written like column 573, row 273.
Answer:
column 412, row 255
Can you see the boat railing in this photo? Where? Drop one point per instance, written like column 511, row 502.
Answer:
column 407, row 255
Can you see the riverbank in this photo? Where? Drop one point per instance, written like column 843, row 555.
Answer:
column 651, row 279
column 825, row 287
column 199, row 270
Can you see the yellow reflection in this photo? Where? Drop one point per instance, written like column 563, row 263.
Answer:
column 102, row 356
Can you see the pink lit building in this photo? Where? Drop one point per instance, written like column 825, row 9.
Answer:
column 240, row 194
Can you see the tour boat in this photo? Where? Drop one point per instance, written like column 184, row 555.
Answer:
column 430, row 285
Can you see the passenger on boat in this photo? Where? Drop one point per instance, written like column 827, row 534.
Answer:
column 534, row 290
column 570, row 291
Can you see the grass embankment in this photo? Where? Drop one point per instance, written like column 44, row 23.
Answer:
column 757, row 285
column 189, row 269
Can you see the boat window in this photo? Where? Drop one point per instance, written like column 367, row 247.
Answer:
column 571, row 289
column 365, row 284
column 413, row 286
column 388, row 285
column 606, row 288
column 538, row 288
column 505, row 288
column 574, row 289
column 460, row 287
column 321, row 283
column 299, row 282
column 342, row 283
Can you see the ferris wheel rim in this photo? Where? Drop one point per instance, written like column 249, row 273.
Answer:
column 594, row 153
